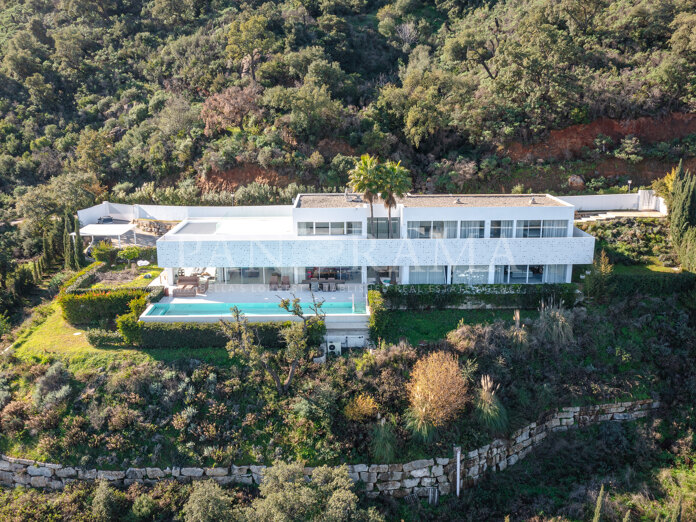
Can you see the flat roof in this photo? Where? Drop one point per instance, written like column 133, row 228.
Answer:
column 433, row 200
column 106, row 230
column 233, row 227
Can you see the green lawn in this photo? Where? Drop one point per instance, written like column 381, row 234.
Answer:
column 56, row 339
column 654, row 266
column 433, row 325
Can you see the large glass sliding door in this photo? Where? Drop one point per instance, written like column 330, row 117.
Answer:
column 347, row 274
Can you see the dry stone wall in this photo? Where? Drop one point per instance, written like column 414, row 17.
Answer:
column 398, row 480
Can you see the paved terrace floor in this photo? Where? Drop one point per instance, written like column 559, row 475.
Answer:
column 245, row 294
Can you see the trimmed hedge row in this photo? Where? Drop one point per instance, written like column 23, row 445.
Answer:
column 82, row 279
column 96, row 305
column 203, row 335
column 659, row 283
column 419, row 297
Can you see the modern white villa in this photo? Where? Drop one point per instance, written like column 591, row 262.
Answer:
column 437, row 239
column 329, row 244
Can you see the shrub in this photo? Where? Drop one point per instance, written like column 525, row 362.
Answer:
column 379, row 315
column 437, row 391
column 143, row 507
column 105, row 252
column 202, row 335
column 383, row 442
column 53, row 388
column 598, row 281
column 420, row 297
column 130, row 328
column 107, row 503
column 360, row 408
column 133, row 253
column 489, row 410
column 554, row 325
column 95, row 306
column 104, row 338
column 82, row 279
column 208, row 502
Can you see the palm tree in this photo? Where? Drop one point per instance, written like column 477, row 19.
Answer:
column 394, row 182
column 364, row 178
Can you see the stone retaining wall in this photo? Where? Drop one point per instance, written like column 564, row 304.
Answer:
column 387, row 479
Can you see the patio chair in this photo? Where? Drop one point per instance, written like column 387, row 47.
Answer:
column 285, row 283
column 273, row 284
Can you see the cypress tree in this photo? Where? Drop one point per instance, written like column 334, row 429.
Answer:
column 79, row 252
column 47, row 250
column 35, row 272
column 68, row 251
column 683, row 211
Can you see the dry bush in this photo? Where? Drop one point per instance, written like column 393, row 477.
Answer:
column 360, row 408
column 479, row 338
column 13, row 417
column 400, row 356
column 437, row 390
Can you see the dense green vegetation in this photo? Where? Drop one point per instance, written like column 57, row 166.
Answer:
column 136, row 94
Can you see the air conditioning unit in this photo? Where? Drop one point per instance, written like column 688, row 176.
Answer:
column 333, row 348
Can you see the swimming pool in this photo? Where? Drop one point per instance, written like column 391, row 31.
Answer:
column 223, row 309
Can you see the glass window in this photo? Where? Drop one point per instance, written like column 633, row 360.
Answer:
column 305, row 228
column 385, row 274
column 419, row 229
column 379, row 229
column 427, row 275
column 321, row 229
column 472, row 229
column 518, row 274
column 529, row 228
column 555, row 228
column 555, row 274
column 501, row 229
column 501, row 274
column 536, row 274
column 337, row 228
column 354, row 228
column 470, row 274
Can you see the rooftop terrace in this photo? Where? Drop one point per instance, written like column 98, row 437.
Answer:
column 433, row 200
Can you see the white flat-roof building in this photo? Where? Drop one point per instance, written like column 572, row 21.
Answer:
column 445, row 239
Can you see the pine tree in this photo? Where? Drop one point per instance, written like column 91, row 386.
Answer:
column 683, row 209
column 79, row 252
column 68, row 251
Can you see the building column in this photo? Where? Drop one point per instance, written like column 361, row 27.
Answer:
column 168, row 276
column 491, row 274
column 404, row 275
column 569, row 274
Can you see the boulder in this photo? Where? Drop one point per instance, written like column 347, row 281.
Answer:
column 111, row 475
column 215, row 472
column 66, row 472
column 38, row 481
column 576, row 182
column 191, row 472
column 418, row 464
column 36, row 471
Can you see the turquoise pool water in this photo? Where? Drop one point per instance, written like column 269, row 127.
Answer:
column 164, row 309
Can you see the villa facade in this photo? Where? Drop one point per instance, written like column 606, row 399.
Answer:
column 439, row 239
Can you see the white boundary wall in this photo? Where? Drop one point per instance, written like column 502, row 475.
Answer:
column 641, row 200
column 90, row 215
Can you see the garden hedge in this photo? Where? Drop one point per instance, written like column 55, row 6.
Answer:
column 659, row 283
column 420, row 297
column 97, row 305
column 202, row 335
column 82, row 279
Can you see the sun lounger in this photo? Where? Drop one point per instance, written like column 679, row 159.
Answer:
column 285, row 283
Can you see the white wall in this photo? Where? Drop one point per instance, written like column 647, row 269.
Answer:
column 89, row 216
column 178, row 213
column 641, row 200
column 343, row 251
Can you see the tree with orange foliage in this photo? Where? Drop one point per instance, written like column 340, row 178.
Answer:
column 437, row 392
